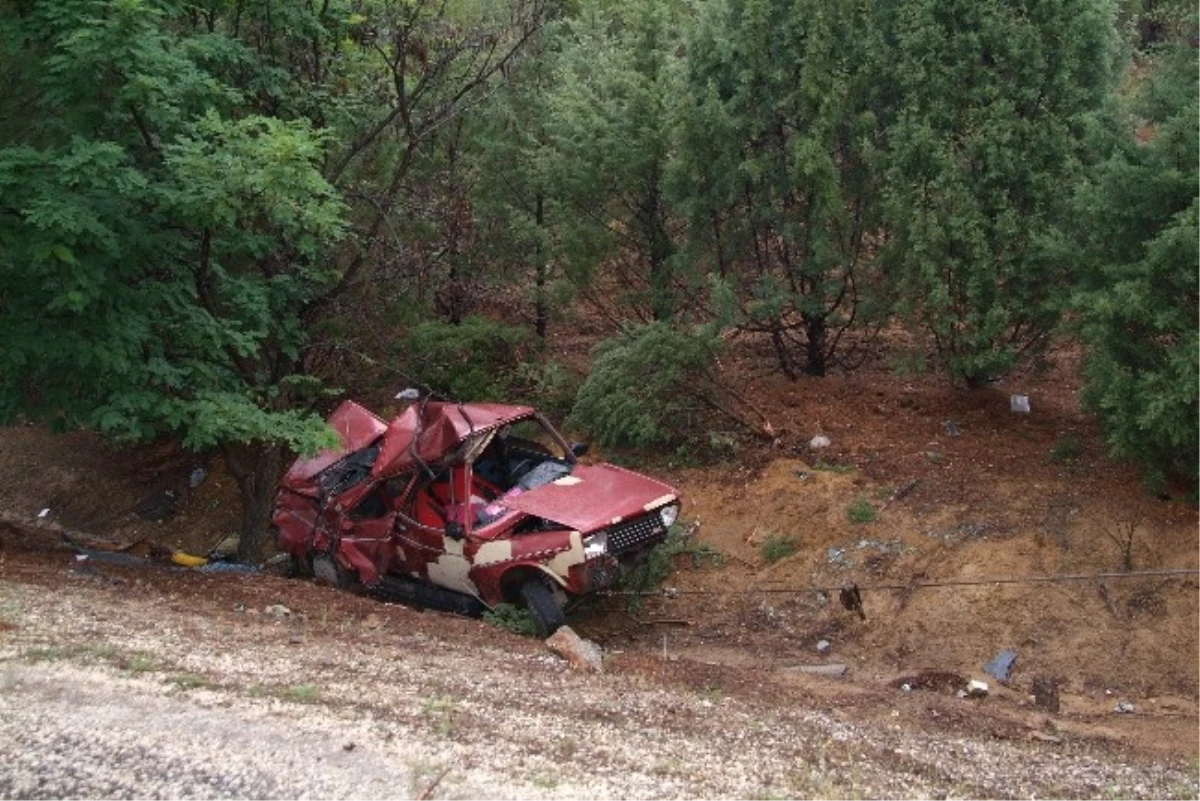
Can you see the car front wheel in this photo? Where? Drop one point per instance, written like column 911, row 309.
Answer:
column 540, row 601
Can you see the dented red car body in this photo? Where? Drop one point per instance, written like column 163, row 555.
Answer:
column 483, row 500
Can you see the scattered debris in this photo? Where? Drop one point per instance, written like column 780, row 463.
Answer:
column 1045, row 738
column 836, row 556
column 277, row 610
column 823, row 646
column 1001, row 665
column 951, row 428
column 42, row 514
column 580, row 653
column 819, row 442
column 1045, row 694
column 1124, row 708
column 905, row 489
column 1019, row 403
column 975, row 689
column 930, row 680
column 833, row 670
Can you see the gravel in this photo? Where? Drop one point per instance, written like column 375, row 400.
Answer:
column 112, row 693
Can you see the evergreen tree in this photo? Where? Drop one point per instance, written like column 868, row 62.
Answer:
column 1141, row 304
column 987, row 144
column 776, row 168
column 610, row 107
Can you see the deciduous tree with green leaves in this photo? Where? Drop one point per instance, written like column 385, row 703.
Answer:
column 186, row 190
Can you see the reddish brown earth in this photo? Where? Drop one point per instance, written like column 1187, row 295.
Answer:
column 962, row 489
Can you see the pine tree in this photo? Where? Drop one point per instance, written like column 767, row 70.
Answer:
column 985, row 149
column 1141, row 303
column 777, row 165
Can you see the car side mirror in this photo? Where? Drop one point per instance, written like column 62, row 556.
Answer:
column 579, row 449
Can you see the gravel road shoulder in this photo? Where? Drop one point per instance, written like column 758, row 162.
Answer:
column 117, row 688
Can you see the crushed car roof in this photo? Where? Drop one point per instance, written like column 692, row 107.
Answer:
column 423, row 432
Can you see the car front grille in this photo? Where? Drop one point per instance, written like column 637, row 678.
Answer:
column 638, row 533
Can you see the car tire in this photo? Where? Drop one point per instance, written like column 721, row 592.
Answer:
column 326, row 571
column 540, row 601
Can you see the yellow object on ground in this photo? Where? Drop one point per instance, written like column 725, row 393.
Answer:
column 187, row 560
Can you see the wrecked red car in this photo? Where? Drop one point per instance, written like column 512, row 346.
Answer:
column 461, row 506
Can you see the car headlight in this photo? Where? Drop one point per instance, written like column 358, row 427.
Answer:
column 668, row 514
column 595, row 545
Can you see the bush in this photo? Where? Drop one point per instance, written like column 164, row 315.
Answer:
column 645, row 387
column 779, row 546
column 475, row 360
column 511, row 617
column 653, row 570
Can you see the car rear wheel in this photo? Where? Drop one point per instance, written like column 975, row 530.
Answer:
column 540, row 601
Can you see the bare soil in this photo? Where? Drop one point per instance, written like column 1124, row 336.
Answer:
column 963, row 492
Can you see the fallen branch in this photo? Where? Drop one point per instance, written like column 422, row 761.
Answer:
column 428, row 791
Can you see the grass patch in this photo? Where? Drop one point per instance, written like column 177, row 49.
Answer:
column 779, row 546
column 440, row 711
column 301, row 693
column 511, row 617
column 188, row 681
column 139, row 662
column 861, row 511
column 1065, row 450
column 43, row 654
column 832, row 467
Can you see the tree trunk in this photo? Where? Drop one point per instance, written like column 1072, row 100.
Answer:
column 256, row 468
column 816, row 335
column 541, row 305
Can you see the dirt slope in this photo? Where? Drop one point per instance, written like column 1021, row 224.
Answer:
column 961, row 490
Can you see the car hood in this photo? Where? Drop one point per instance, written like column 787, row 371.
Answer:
column 594, row 496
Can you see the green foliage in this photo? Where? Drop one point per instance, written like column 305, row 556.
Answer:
column 511, row 617
column 1141, row 320
column 776, row 169
column 474, row 360
column 549, row 385
column 1067, row 449
column 861, row 511
column 653, row 569
column 988, row 139
column 644, row 386
column 779, row 546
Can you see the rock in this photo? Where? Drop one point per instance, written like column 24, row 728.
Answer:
column 277, row 610
column 906, row 687
column 1045, row 694
column 819, row 442
column 1124, row 708
column 823, row 646
column 581, row 654
column 1019, row 403
column 197, row 477
column 951, row 428
column 1000, row 666
column 976, row 689
column 834, row 670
